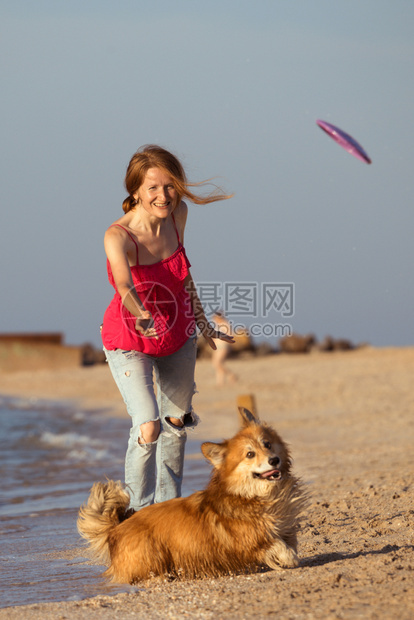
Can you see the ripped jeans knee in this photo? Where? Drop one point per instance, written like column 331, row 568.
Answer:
column 177, row 422
column 149, row 432
column 188, row 421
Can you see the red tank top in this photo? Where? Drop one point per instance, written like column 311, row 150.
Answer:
column 160, row 288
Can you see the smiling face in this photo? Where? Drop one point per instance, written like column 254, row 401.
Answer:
column 262, row 458
column 254, row 463
column 157, row 194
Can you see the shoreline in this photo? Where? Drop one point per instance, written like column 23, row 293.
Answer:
column 348, row 417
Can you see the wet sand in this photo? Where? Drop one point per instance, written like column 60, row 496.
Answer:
column 348, row 418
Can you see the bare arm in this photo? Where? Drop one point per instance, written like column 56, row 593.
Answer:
column 207, row 330
column 180, row 217
column 117, row 246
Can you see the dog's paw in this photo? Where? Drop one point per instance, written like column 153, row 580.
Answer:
column 281, row 556
column 289, row 559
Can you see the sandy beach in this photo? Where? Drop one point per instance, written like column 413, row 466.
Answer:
column 348, row 417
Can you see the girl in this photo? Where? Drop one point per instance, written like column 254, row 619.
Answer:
column 149, row 328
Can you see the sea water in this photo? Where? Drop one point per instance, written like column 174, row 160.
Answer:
column 50, row 455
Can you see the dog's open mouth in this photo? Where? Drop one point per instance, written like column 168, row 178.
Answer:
column 272, row 474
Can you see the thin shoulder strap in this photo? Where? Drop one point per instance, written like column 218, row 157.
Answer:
column 175, row 226
column 127, row 231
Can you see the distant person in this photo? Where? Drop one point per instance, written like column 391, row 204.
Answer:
column 222, row 351
column 150, row 324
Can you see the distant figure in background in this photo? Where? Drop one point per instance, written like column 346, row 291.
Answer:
column 222, row 351
column 150, row 325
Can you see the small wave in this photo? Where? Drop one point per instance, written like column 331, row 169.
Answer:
column 67, row 440
column 22, row 403
column 80, row 447
column 88, row 454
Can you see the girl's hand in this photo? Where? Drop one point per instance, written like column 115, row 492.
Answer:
column 209, row 333
column 145, row 325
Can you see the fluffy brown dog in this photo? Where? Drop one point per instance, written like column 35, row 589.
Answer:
column 247, row 516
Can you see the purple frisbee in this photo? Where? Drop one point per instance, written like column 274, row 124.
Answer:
column 345, row 140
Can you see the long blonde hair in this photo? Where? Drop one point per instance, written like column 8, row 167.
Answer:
column 153, row 156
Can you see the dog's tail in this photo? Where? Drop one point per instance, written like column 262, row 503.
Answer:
column 103, row 511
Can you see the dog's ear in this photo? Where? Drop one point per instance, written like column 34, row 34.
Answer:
column 248, row 417
column 214, row 452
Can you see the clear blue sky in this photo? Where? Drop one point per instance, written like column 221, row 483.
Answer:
column 234, row 88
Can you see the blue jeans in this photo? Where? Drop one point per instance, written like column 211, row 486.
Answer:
column 154, row 471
